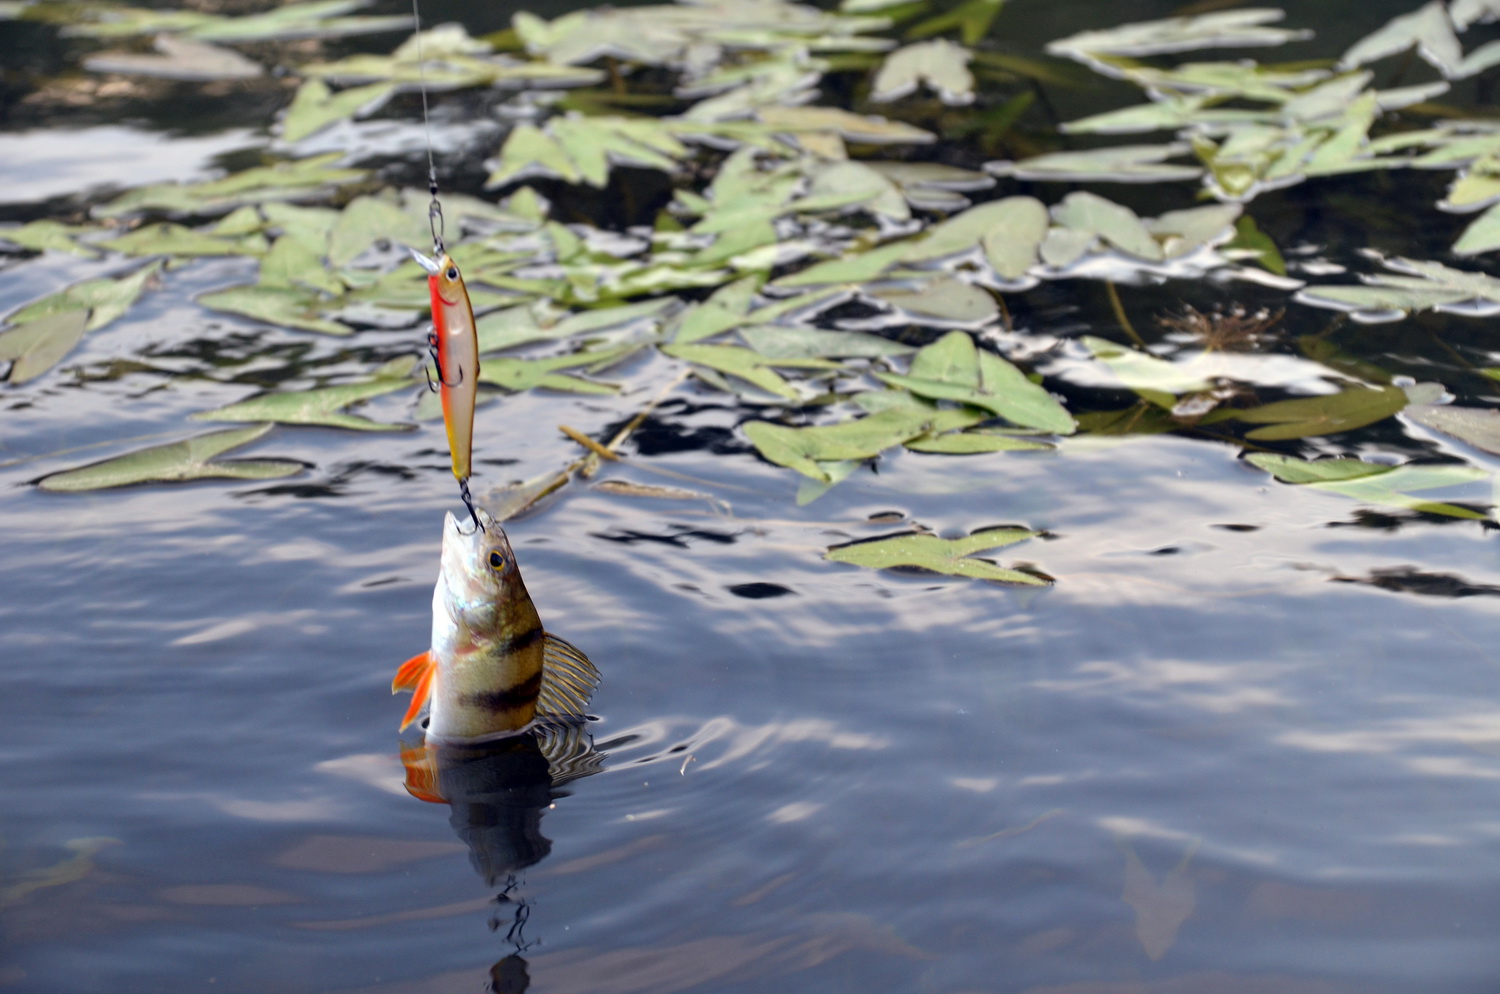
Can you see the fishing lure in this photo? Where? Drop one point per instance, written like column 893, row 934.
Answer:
column 454, row 345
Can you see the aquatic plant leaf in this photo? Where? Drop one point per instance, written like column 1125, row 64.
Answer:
column 1220, row 29
column 848, row 184
column 288, row 307
column 1480, row 427
column 727, row 308
column 776, row 341
column 952, row 369
column 1116, row 224
column 739, row 362
column 294, row 262
column 190, row 459
column 1427, row 29
column 372, row 220
column 37, row 346
column 321, row 406
column 950, row 556
column 289, row 180
column 1290, row 469
column 858, row 268
column 1010, row 229
column 108, row 21
column 47, row 235
column 1482, row 234
column 1469, row 12
column 1185, row 231
column 1328, row 414
column 104, row 299
column 316, row 106
column 940, row 65
column 942, row 301
column 529, row 151
column 1248, row 236
column 526, row 374
column 1381, row 485
column 1117, row 164
column 179, row 241
column 1417, row 285
column 181, row 59
column 1158, row 380
column 974, row 442
column 807, row 449
column 315, row 19
column 847, row 125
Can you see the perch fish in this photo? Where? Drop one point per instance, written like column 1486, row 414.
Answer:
column 491, row 670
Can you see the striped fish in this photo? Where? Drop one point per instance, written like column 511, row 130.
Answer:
column 455, row 345
column 491, row 669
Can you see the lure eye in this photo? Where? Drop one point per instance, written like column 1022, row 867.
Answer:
column 497, row 561
column 452, row 273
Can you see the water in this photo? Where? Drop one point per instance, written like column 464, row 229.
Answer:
column 1246, row 743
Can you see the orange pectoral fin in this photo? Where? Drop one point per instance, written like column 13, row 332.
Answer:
column 415, row 674
column 410, row 672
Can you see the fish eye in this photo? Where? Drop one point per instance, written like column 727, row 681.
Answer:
column 452, row 273
column 497, row 561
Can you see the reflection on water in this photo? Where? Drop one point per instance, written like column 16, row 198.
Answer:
column 497, row 793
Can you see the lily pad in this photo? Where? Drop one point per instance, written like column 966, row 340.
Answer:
column 190, row 459
column 320, row 406
column 953, row 557
column 316, row 106
column 37, row 346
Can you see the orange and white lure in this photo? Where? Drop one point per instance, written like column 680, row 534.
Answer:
column 454, row 342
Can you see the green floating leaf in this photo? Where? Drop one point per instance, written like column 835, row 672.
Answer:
column 1220, row 29
column 1480, row 427
column 1373, row 484
column 964, row 443
column 526, row 374
column 292, row 180
column 1117, row 164
column 776, row 341
column 288, row 307
column 180, row 58
column 942, row 301
column 973, row 19
column 952, row 369
column 317, row 19
column 940, row 65
column 805, row 449
column 1418, row 285
column 1329, row 414
column 45, row 235
column 316, row 106
column 949, row 556
column 191, row 459
column 741, row 363
column 320, row 406
column 1428, row 30
column 36, row 347
column 372, row 220
column 1087, row 212
column 178, row 241
column 1155, row 379
column 104, row 299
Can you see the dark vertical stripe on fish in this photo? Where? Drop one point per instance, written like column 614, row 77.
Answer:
column 521, row 695
column 505, row 647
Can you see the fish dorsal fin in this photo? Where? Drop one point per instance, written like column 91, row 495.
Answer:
column 568, row 679
column 416, row 675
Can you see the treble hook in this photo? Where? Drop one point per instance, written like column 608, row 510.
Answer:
column 468, row 499
column 437, row 361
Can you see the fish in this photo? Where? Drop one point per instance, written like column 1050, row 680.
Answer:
column 455, row 347
column 491, row 670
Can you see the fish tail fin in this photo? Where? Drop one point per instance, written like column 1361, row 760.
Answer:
column 568, row 679
column 415, row 674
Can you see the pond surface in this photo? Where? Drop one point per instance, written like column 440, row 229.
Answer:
column 1248, row 740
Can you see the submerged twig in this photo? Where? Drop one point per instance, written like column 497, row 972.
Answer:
column 588, row 443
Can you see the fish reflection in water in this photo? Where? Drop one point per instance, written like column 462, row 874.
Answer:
column 497, row 792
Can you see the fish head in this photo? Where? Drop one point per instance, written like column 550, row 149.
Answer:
column 443, row 277
column 480, row 573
